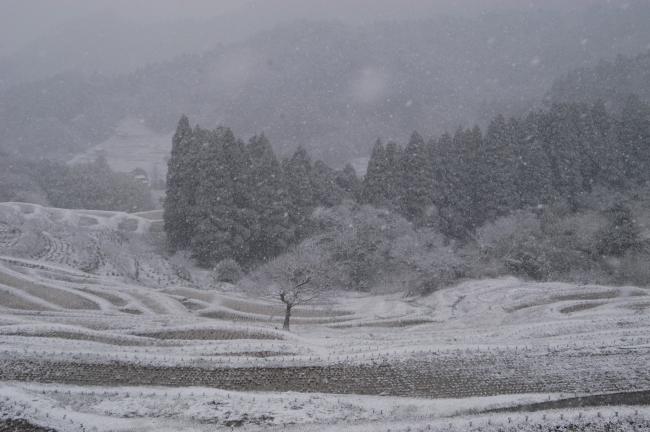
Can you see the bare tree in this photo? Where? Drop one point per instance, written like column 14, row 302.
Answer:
column 299, row 277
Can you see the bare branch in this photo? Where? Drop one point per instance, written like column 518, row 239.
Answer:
column 305, row 282
column 298, row 277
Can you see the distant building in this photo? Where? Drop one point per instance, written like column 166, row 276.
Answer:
column 141, row 175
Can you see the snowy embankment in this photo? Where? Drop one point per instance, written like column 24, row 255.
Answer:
column 98, row 330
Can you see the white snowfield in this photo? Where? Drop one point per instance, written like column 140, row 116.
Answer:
column 132, row 146
column 100, row 331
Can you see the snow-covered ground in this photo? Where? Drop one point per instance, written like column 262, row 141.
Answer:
column 132, row 146
column 99, row 331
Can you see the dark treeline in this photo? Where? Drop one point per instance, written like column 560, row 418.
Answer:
column 230, row 199
column 458, row 182
column 609, row 81
column 92, row 185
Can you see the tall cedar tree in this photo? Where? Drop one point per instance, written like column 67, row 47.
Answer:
column 326, row 187
column 375, row 182
column 382, row 185
column 394, row 186
column 464, row 212
column 270, row 201
column 416, row 179
column 497, row 187
column 447, row 186
column 247, row 227
column 560, row 135
column 297, row 172
column 634, row 139
column 212, row 240
column 532, row 173
column 179, row 198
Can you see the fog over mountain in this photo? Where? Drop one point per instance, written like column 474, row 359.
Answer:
column 22, row 22
column 40, row 38
column 611, row 82
column 331, row 85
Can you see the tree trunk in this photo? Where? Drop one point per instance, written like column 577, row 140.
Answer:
column 287, row 315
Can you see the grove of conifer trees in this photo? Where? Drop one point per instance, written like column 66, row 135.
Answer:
column 227, row 199
column 458, row 182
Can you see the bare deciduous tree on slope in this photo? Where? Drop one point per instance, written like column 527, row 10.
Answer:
column 299, row 278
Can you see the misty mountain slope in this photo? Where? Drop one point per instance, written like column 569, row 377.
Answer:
column 132, row 146
column 332, row 87
column 108, row 44
column 59, row 116
column 41, row 39
column 609, row 81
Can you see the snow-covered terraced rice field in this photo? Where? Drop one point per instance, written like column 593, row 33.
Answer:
column 92, row 348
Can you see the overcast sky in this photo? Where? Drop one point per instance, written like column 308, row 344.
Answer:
column 24, row 20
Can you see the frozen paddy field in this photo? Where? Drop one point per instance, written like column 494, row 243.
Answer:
column 99, row 332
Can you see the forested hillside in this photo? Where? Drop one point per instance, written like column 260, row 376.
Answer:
column 332, row 87
column 544, row 196
column 609, row 81
column 458, row 182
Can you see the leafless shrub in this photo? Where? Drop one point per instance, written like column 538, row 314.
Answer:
column 227, row 270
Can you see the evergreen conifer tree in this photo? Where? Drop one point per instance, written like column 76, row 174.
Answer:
column 633, row 134
column 560, row 134
column 532, row 176
column 468, row 204
column 416, row 179
column 324, row 185
column 244, row 212
column 622, row 232
column 177, row 205
column 297, row 173
column 212, row 240
column 497, row 168
column 349, row 183
column 270, row 201
column 607, row 160
column 393, row 187
column 374, row 182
